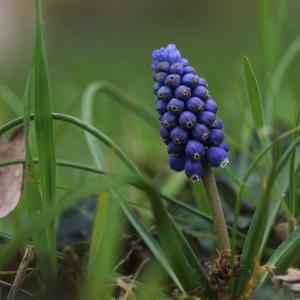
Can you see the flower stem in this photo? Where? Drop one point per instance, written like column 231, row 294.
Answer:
column 216, row 209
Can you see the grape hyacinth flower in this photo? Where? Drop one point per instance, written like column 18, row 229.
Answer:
column 189, row 124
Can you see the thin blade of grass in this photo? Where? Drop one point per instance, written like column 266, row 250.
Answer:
column 293, row 177
column 32, row 197
column 44, row 133
column 260, row 228
column 151, row 243
column 41, row 221
column 100, row 279
column 279, row 74
column 284, row 256
column 180, row 255
column 254, row 98
column 123, row 99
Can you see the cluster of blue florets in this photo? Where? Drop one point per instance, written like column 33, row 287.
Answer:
column 187, row 113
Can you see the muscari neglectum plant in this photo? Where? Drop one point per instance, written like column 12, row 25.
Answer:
column 190, row 127
column 195, row 144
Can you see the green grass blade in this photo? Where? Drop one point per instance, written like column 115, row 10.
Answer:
column 181, row 257
column 100, row 279
column 293, row 177
column 44, row 133
column 284, row 256
column 123, row 99
column 260, row 227
column 151, row 243
column 254, row 98
column 32, row 196
column 279, row 75
column 41, row 221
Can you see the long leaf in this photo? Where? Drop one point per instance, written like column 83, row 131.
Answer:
column 44, row 133
column 259, row 228
column 284, row 256
column 254, row 98
column 32, row 196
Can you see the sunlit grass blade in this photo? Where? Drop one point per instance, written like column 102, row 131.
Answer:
column 284, row 256
column 44, row 133
column 254, row 98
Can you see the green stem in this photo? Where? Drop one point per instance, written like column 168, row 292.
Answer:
column 216, row 209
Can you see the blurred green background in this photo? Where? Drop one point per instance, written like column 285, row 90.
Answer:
column 113, row 40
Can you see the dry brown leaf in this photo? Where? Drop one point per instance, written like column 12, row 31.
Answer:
column 291, row 280
column 11, row 177
column 292, row 275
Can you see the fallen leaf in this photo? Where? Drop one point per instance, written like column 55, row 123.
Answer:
column 290, row 280
column 11, row 177
column 292, row 275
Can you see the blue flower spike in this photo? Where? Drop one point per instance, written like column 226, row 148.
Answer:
column 189, row 125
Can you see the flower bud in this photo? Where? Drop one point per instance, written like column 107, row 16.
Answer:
column 193, row 170
column 156, row 87
column 162, row 66
column 203, row 82
column 194, row 150
column 176, row 68
column 184, row 61
column 164, row 93
column 165, row 134
column 224, row 145
column 215, row 137
column 176, row 149
column 160, row 77
column 200, row 133
column 190, row 80
column 217, row 124
column 168, row 120
column 195, row 105
column 175, row 106
column 211, row 105
column 173, row 80
column 200, row 91
column 161, row 106
column 217, row 157
column 187, row 120
column 189, row 69
column 179, row 135
column 183, row 92
column 207, row 118
column 176, row 163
